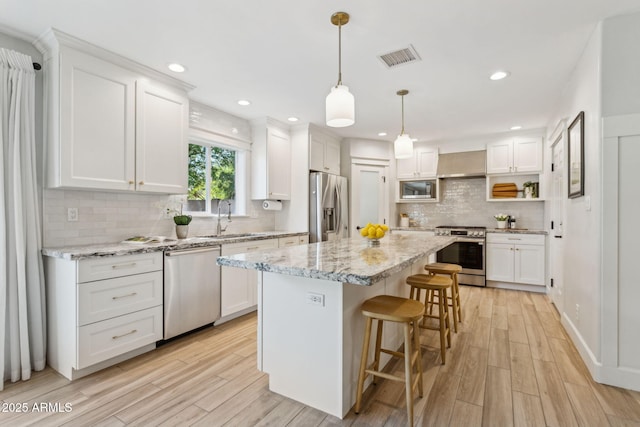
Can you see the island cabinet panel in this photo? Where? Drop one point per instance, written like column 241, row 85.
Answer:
column 311, row 351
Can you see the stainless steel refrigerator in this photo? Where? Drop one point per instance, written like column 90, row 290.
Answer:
column 328, row 207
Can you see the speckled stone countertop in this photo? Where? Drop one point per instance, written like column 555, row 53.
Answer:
column 116, row 249
column 516, row 231
column 412, row 229
column 346, row 260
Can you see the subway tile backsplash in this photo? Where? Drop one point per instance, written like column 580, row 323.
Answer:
column 105, row 217
column 463, row 201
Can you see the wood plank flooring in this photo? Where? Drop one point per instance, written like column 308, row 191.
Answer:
column 510, row 364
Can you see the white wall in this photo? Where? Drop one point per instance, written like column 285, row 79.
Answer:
column 582, row 232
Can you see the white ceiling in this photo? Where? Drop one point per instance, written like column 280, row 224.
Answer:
column 282, row 54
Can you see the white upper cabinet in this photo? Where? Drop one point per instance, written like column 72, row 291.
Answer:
column 161, row 139
column 423, row 164
column 271, row 162
column 518, row 155
column 112, row 124
column 324, row 153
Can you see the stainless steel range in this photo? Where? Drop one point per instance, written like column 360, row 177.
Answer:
column 468, row 252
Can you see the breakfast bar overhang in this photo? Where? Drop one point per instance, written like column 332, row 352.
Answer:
column 310, row 328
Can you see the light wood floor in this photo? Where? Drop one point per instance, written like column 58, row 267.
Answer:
column 511, row 363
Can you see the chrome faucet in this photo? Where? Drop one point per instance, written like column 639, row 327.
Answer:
column 219, row 228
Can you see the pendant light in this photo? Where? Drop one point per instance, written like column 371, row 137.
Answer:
column 403, row 146
column 340, row 103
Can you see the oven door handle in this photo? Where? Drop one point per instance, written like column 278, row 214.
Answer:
column 462, row 239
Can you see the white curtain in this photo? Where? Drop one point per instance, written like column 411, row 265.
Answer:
column 22, row 295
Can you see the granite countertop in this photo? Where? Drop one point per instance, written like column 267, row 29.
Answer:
column 345, row 260
column 430, row 228
column 516, row 231
column 120, row 248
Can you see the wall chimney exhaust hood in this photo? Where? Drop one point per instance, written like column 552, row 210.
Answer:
column 466, row 164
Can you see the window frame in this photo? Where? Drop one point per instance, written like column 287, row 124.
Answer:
column 242, row 150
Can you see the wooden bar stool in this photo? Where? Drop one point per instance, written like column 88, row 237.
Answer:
column 400, row 310
column 452, row 271
column 437, row 285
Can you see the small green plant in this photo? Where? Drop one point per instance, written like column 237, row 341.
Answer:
column 182, row 219
column 501, row 217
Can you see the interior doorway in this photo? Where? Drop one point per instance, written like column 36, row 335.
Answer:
column 369, row 200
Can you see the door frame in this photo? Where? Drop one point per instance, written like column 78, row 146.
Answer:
column 557, row 213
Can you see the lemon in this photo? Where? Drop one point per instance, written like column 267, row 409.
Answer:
column 372, row 232
column 364, row 232
column 379, row 233
column 384, row 227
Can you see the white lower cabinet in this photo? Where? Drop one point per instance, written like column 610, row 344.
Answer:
column 516, row 258
column 101, row 311
column 284, row 242
column 239, row 285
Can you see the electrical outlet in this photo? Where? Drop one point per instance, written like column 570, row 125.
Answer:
column 315, row 299
column 72, row 214
column 577, row 311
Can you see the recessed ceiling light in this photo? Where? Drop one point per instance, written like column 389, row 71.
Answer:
column 176, row 68
column 499, row 75
column 244, row 102
column 293, row 119
column 382, row 134
column 516, row 127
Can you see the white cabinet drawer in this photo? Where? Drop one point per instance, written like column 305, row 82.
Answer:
column 251, row 246
column 116, row 266
column 516, row 238
column 303, row 240
column 104, row 340
column 283, row 242
column 109, row 298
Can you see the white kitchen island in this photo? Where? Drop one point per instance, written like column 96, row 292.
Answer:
column 310, row 327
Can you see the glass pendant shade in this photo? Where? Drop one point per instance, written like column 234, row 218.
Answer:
column 340, row 107
column 403, row 147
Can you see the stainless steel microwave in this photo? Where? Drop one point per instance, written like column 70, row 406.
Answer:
column 417, row 189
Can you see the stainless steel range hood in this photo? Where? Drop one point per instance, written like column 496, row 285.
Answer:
column 462, row 165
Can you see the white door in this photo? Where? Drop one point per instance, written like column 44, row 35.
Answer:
column 558, row 195
column 368, row 196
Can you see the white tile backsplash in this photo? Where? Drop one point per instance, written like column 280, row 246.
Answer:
column 105, row 217
column 463, row 202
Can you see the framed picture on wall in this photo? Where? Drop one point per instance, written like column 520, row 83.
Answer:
column 576, row 157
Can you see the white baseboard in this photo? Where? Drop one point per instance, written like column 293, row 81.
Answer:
column 612, row 375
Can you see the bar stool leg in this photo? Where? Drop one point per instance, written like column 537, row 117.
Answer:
column 456, row 284
column 454, row 305
column 376, row 365
column 441, row 312
column 408, row 369
column 363, row 363
column 416, row 340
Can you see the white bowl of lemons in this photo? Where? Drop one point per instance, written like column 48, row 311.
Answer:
column 373, row 233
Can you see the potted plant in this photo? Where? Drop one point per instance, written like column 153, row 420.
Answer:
column 502, row 220
column 529, row 190
column 182, row 225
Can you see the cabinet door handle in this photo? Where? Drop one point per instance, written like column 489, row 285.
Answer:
column 115, row 337
column 117, row 266
column 326, row 168
column 141, row 183
column 131, row 182
column 253, row 248
column 132, row 294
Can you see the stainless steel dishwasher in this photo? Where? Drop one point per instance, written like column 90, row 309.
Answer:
column 191, row 289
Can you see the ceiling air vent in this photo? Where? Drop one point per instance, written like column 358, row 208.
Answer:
column 399, row 57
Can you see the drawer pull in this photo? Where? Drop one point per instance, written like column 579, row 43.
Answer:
column 132, row 294
column 117, row 266
column 115, row 337
column 253, row 248
column 290, row 243
column 514, row 238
